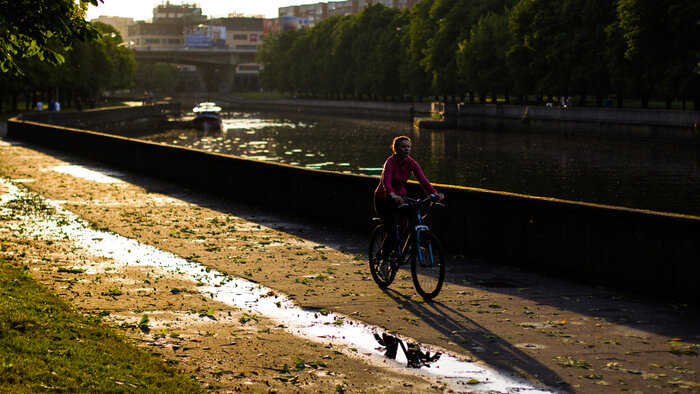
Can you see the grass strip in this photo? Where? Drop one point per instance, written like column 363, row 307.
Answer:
column 46, row 346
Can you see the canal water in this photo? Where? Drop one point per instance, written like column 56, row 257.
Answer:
column 636, row 174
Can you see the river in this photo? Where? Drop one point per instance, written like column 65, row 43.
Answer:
column 637, row 174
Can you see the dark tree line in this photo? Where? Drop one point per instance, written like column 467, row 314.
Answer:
column 483, row 49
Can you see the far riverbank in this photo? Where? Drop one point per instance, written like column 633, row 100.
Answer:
column 640, row 124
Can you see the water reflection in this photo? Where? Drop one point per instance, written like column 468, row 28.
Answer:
column 416, row 357
column 655, row 176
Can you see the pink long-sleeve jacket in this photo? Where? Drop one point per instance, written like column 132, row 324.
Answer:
column 395, row 175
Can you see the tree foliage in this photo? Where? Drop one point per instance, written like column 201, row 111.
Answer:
column 639, row 48
column 41, row 28
column 156, row 76
column 98, row 66
column 482, row 69
column 662, row 44
column 88, row 69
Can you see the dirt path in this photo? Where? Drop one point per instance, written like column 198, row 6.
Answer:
column 568, row 336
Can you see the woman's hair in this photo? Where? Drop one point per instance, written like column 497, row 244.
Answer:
column 397, row 140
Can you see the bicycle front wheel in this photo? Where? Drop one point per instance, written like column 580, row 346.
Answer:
column 428, row 267
column 382, row 270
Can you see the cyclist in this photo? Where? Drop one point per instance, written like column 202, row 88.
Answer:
column 391, row 189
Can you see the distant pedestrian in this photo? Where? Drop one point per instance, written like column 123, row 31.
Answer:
column 608, row 102
column 52, row 106
column 58, row 106
column 39, row 106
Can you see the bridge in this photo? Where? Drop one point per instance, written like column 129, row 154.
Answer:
column 213, row 70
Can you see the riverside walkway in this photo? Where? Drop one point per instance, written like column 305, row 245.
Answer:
column 563, row 334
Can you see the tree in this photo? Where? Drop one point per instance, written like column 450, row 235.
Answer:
column 343, row 39
column 420, row 29
column 661, row 41
column 97, row 66
column 40, row 28
column 156, row 76
column 481, row 59
column 562, row 45
column 451, row 22
column 122, row 63
column 276, row 57
column 301, row 65
column 321, row 49
column 386, row 53
column 375, row 51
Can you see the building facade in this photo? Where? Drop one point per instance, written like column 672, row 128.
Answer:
column 211, row 54
column 320, row 11
column 119, row 23
column 168, row 26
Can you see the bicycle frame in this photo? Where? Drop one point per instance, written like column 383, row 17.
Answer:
column 412, row 235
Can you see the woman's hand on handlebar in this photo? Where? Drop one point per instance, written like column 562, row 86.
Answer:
column 440, row 196
column 397, row 199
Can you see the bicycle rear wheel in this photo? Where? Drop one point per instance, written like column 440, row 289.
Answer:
column 382, row 270
column 428, row 267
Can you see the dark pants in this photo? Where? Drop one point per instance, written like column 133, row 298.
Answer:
column 386, row 210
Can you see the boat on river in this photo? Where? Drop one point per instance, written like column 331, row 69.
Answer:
column 206, row 116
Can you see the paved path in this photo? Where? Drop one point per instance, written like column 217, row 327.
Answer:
column 571, row 336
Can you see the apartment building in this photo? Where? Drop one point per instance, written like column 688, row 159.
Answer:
column 242, row 33
column 320, row 11
column 119, row 23
column 168, row 26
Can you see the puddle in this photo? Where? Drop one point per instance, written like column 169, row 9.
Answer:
column 370, row 343
column 85, row 173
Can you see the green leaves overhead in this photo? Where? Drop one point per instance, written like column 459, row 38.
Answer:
column 87, row 69
column 41, row 28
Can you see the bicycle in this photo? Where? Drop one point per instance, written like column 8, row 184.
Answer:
column 416, row 244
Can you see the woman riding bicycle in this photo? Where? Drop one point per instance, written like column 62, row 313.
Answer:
column 391, row 189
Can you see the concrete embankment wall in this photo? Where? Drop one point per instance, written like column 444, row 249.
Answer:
column 114, row 119
column 658, row 125
column 632, row 248
column 396, row 110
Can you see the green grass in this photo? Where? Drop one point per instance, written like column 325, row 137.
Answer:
column 46, row 346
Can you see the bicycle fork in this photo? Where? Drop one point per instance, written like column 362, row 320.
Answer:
column 423, row 231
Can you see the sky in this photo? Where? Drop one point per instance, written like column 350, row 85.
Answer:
column 143, row 9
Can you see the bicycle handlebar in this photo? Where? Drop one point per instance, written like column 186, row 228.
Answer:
column 410, row 202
